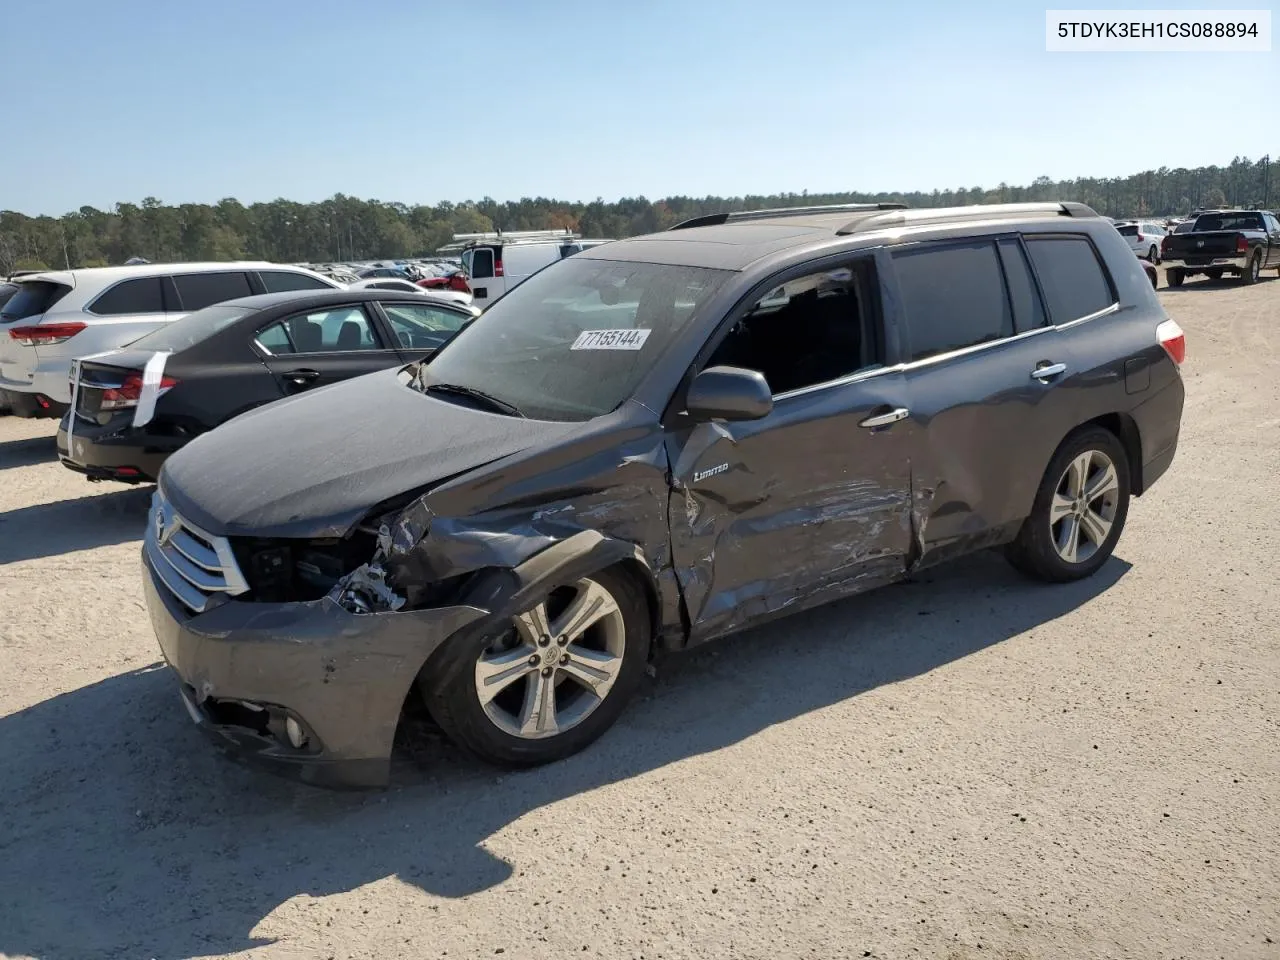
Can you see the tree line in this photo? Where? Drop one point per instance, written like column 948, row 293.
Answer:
column 347, row 228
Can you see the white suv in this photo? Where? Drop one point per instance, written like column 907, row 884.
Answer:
column 1143, row 236
column 60, row 315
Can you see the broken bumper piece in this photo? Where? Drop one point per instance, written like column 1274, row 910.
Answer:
column 309, row 689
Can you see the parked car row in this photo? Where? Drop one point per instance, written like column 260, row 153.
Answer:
column 1210, row 243
column 640, row 447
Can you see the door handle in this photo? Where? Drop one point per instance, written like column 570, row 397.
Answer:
column 884, row 419
column 302, row 377
column 1048, row 371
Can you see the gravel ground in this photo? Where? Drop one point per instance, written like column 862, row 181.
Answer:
column 968, row 766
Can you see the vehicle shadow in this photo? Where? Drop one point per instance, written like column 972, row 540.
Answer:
column 50, row 529
column 125, row 834
column 28, row 452
column 1203, row 285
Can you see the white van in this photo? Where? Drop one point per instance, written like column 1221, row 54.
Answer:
column 496, row 262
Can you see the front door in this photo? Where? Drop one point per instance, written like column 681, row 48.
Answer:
column 324, row 346
column 811, row 502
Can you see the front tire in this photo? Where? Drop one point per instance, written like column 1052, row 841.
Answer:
column 550, row 682
column 1079, row 510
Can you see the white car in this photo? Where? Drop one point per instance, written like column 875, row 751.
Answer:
column 1143, row 236
column 408, row 286
column 61, row 315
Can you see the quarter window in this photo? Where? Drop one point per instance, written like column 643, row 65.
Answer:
column 954, row 297
column 807, row 331
column 339, row 330
column 141, row 295
column 1071, row 277
column 281, row 281
column 200, row 290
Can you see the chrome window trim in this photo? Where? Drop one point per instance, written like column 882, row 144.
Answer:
column 1114, row 308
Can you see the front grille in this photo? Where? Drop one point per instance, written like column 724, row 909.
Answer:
column 196, row 567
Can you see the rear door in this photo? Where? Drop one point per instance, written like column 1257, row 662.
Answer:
column 320, row 347
column 479, row 264
column 989, row 383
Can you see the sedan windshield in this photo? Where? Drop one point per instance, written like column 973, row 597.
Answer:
column 574, row 340
column 192, row 329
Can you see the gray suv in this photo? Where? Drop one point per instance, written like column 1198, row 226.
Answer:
column 647, row 445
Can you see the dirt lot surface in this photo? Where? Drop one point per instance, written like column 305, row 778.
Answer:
column 969, row 766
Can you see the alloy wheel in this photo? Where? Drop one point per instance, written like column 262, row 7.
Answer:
column 555, row 665
column 1084, row 506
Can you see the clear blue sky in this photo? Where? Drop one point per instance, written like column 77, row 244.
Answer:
column 422, row 101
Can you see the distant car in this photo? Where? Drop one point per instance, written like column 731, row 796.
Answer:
column 58, row 315
column 381, row 272
column 408, row 286
column 1143, row 237
column 137, row 405
column 455, row 280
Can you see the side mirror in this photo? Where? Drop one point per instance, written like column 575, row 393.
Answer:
column 729, row 393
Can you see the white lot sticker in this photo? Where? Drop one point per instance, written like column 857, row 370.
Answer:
column 626, row 339
column 152, row 375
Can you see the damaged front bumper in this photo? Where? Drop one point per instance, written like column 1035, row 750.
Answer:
column 311, row 689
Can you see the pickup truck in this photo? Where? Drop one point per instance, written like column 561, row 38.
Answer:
column 1241, row 242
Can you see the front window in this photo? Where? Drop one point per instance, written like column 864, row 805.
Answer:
column 574, row 340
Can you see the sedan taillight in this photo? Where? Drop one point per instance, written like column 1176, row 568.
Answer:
column 128, row 393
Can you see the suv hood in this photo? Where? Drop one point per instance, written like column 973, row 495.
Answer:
column 315, row 464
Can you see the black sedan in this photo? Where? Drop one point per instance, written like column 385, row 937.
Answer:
column 133, row 407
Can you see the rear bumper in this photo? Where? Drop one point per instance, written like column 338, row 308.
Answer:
column 342, row 677
column 1192, row 264
column 101, row 453
column 24, row 403
column 52, row 383
column 1159, row 420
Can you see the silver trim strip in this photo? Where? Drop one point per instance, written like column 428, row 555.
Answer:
column 1114, row 308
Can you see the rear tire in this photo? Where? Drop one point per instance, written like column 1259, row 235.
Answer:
column 1253, row 271
column 1175, row 276
column 491, row 697
column 1079, row 510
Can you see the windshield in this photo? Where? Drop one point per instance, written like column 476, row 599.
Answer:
column 1229, row 221
column 1128, row 231
column 34, row 297
column 191, row 329
column 574, row 340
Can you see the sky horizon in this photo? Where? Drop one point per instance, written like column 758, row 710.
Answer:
column 573, row 102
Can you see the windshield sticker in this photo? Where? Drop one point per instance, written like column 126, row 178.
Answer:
column 626, row 339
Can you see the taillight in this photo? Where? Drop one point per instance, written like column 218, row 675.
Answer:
column 1242, row 245
column 128, row 393
column 497, row 268
column 1173, row 340
column 1140, row 238
column 1164, row 245
column 46, row 334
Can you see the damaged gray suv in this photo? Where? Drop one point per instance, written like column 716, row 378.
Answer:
column 647, row 445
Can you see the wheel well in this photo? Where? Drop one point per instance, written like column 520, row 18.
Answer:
column 1123, row 427
column 635, row 570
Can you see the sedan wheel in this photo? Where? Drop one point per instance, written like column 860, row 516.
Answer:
column 1084, row 507
column 558, row 666
column 1079, row 510
column 549, row 681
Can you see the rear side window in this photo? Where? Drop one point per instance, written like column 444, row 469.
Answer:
column 142, row 295
column 1071, row 277
column 339, row 330
column 281, row 281
column 32, row 298
column 1028, row 311
column 954, row 297
column 481, row 263
column 200, row 290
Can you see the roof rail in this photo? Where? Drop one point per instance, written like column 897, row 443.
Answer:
column 991, row 211
column 715, row 219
